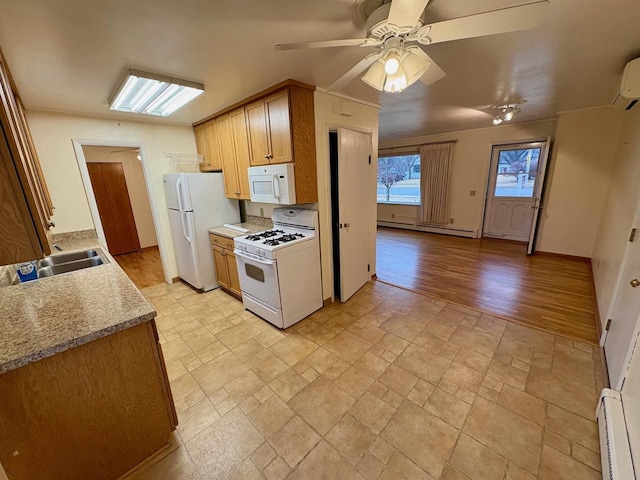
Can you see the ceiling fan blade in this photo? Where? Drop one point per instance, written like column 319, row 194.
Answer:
column 356, row 70
column 433, row 74
column 523, row 17
column 350, row 42
column 404, row 14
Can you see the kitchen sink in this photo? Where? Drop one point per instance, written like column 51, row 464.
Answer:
column 71, row 266
column 68, row 257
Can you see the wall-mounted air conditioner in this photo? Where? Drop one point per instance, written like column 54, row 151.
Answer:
column 629, row 93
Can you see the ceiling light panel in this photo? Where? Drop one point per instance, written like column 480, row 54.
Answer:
column 152, row 94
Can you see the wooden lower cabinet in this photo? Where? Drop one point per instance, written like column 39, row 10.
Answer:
column 94, row 411
column 225, row 263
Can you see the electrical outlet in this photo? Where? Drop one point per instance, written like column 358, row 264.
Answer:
column 261, row 212
column 451, row 220
column 393, row 215
column 472, row 193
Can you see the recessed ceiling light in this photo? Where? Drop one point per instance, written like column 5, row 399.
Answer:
column 152, row 94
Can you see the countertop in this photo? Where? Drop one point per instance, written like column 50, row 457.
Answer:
column 253, row 224
column 44, row 317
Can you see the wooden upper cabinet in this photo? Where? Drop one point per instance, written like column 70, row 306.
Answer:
column 258, row 130
column 26, row 208
column 277, row 111
column 207, row 144
column 241, row 145
column 228, row 156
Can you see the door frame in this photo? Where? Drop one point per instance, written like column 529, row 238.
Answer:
column 78, row 143
column 483, row 214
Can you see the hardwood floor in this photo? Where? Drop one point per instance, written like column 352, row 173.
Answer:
column 497, row 277
column 144, row 268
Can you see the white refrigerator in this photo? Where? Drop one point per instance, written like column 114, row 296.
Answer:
column 197, row 202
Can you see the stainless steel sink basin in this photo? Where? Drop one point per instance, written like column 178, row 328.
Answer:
column 72, row 266
column 67, row 257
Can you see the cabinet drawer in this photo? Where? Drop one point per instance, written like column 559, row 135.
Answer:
column 220, row 241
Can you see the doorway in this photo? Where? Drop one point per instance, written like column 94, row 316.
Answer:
column 516, row 180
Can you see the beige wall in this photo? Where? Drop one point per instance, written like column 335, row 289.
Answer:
column 618, row 213
column 469, row 170
column 363, row 118
column 579, row 174
column 136, row 187
column 52, row 134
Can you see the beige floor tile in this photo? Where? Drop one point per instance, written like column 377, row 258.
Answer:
column 372, row 365
column 348, row 346
column 218, row 372
column 557, row 441
column 572, row 363
column 393, row 343
column 477, row 461
column 514, row 472
column 451, row 473
column 196, row 418
column 288, row 384
column 382, row 450
column 245, row 385
column 293, row 349
column 198, row 339
column 247, row 350
column 263, row 455
column 509, row 434
column 354, row 382
column 224, row 445
column 322, row 403
column 183, row 386
column 586, row 456
column 522, row 352
column 372, row 412
column 401, row 468
column 447, row 407
column 175, row 466
column 523, row 404
column 270, row 416
column 424, row 364
column 293, row 441
column 270, row 368
column 557, row 466
column 539, row 340
column 398, row 379
column 424, row 438
column 564, row 392
column 440, row 329
column 403, row 327
column 476, row 341
column 429, row 341
column 321, row 359
column 245, row 471
column 277, row 470
column 237, row 335
column 175, row 369
column 573, row 427
column 370, row 467
column 351, row 438
column 507, row 374
column 464, row 376
column 324, row 462
column 369, row 332
column 473, row 360
column 175, row 350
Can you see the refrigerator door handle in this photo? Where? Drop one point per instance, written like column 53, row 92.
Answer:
column 184, row 227
column 179, row 195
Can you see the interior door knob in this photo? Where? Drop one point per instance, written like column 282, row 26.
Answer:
column 634, row 283
column 347, row 225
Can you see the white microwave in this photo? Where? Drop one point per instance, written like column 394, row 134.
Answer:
column 273, row 184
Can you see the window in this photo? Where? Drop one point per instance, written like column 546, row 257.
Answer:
column 399, row 179
column 517, row 171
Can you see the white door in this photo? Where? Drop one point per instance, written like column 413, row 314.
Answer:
column 515, row 188
column 354, row 194
column 626, row 309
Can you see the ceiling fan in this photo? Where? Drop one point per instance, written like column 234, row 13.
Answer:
column 397, row 30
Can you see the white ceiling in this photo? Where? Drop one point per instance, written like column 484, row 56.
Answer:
column 68, row 55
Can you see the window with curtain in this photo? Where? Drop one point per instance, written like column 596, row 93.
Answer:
column 435, row 166
column 399, row 179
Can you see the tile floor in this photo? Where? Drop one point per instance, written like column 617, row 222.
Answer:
column 390, row 385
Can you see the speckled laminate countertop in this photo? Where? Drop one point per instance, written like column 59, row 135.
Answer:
column 253, row 224
column 41, row 318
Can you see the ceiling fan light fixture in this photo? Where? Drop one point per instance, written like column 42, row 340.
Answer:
column 415, row 65
column 392, row 63
column 376, row 75
column 396, row 83
column 497, row 121
column 506, row 111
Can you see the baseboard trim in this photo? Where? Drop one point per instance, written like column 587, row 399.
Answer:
column 565, row 256
column 456, row 232
column 327, row 301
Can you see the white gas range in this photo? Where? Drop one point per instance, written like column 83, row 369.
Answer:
column 279, row 269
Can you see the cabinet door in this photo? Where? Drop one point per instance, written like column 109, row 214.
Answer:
column 220, row 262
column 258, row 130
column 277, row 108
column 234, row 280
column 213, row 147
column 241, row 145
column 228, row 156
column 201, row 145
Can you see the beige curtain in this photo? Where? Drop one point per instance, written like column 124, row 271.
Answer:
column 435, row 160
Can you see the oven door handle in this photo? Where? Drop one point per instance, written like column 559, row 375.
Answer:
column 255, row 258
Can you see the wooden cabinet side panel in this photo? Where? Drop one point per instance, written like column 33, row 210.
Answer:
column 161, row 367
column 278, row 114
column 94, row 411
column 201, row 145
column 257, row 128
column 234, row 280
column 241, row 144
column 220, row 262
column 303, row 134
column 227, row 154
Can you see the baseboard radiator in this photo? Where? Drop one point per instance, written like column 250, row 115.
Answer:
column 446, row 230
column 615, row 451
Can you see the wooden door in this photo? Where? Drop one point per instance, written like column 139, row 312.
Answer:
column 241, row 146
column 234, row 280
column 220, row 263
column 513, row 183
column 114, row 206
column 228, row 156
column 258, row 130
column 277, row 108
column 211, row 138
column 354, row 192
